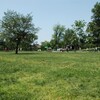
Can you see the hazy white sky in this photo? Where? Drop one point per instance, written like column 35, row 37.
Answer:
column 47, row 13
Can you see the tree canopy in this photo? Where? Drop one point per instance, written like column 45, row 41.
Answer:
column 94, row 25
column 17, row 27
column 58, row 34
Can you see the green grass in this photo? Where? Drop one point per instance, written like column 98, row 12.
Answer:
column 50, row 76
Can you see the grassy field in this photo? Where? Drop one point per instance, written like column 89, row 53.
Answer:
column 50, row 76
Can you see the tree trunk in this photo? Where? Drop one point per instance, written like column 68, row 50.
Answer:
column 16, row 52
column 17, row 44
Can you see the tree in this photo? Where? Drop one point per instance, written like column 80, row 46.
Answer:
column 45, row 45
column 70, row 37
column 16, row 27
column 58, row 34
column 94, row 25
column 79, row 28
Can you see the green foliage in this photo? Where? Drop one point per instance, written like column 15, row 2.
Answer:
column 94, row 25
column 58, row 35
column 45, row 45
column 28, row 41
column 17, row 28
column 70, row 37
column 74, row 37
column 79, row 29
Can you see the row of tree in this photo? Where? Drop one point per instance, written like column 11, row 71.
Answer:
column 81, row 35
column 18, row 31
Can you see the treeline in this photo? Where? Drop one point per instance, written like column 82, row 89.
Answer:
column 18, row 31
column 75, row 37
column 80, row 35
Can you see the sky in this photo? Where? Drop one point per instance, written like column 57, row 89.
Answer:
column 47, row 13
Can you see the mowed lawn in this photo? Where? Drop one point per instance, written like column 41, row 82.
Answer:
column 50, row 76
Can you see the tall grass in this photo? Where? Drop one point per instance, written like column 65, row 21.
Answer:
column 50, row 76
